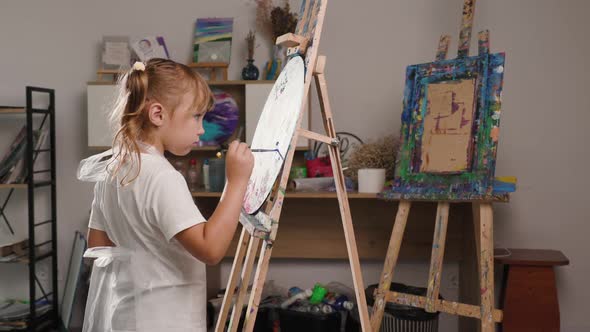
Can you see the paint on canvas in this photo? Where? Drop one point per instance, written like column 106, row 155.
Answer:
column 213, row 38
column 450, row 130
column 448, row 122
column 222, row 120
column 274, row 132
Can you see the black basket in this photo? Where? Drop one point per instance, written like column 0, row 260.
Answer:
column 400, row 311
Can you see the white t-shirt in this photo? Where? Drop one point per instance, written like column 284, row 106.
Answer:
column 144, row 216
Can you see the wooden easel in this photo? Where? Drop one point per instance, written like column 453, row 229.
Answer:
column 248, row 244
column 483, row 226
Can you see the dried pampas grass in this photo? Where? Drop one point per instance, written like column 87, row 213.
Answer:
column 380, row 153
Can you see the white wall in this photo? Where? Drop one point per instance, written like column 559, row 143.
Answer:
column 368, row 44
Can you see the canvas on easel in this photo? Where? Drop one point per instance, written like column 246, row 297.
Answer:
column 450, row 129
column 273, row 146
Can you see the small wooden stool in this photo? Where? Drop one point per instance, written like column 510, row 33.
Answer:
column 528, row 291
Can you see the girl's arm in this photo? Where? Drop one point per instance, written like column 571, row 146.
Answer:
column 98, row 238
column 209, row 241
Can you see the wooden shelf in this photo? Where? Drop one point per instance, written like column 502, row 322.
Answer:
column 196, row 148
column 111, row 71
column 14, row 186
column 326, row 194
column 12, row 110
column 207, row 148
column 24, row 258
column 239, row 82
column 213, row 83
column 208, row 65
column 299, row 194
column 205, row 194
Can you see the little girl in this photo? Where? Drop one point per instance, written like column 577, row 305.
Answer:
column 149, row 238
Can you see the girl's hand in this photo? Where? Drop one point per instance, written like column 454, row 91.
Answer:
column 239, row 162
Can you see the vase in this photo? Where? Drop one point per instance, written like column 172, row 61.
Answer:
column 250, row 72
column 371, row 180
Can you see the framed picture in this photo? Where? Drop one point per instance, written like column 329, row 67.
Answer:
column 450, row 129
column 150, row 47
column 116, row 52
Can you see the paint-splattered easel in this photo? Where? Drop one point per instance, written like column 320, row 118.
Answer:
column 305, row 43
column 483, row 224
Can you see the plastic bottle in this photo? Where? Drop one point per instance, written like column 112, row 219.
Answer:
column 193, row 175
column 179, row 165
column 206, row 175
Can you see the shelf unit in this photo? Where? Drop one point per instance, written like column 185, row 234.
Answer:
column 47, row 249
column 298, row 194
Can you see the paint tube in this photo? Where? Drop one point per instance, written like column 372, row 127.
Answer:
column 342, row 303
column 294, row 291
column 327, row 309
column 338, row 302
column 303, row 308
column 299, row 296
column 315, row 309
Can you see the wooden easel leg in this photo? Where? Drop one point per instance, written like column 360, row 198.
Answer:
column 259, row 278
column 486, row 262
column 476, row 229
column 436, row 259
column 245, row 282
column 233, row 280
column 353, row 257
column 395, row 243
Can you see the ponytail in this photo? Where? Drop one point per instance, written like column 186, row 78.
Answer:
column 132, row 120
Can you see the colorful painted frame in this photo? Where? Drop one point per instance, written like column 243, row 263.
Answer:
column 476, row 181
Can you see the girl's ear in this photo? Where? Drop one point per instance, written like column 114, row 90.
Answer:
column 156, row 114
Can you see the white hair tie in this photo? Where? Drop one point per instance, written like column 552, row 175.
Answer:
column 139, row 66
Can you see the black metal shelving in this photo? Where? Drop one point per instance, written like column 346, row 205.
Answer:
column 46, row 249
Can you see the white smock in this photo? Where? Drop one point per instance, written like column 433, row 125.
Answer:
column 148, row 282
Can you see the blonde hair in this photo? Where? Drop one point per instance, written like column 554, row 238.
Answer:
column 163, row 81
